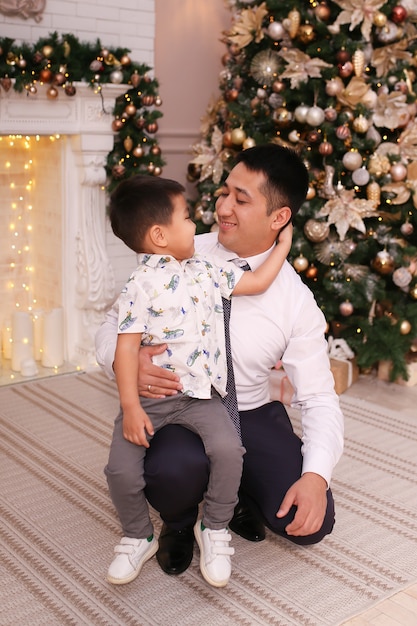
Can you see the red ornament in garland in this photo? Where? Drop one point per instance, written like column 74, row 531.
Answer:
column 399, row 14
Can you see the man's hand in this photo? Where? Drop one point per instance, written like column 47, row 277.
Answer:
column 308, row 494
column 155, row 381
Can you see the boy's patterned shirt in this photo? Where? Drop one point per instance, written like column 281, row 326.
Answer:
column 180, row 304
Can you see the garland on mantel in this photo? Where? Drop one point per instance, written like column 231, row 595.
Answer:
column 60, row 61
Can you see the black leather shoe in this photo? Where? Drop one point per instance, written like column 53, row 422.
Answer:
column 175, row 551
column 246, row 524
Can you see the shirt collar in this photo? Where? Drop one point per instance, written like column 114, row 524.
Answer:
column 254, row 261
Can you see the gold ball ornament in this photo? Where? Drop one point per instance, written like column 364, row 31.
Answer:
column 405, row 327
column 198, row 213
column 47, row 51
column 157, row 171
column 125, row 60
column 413, row 292
column 311, row 192
column 306, row 33
column 248, row 143
column 316, row 231
column 360, row 124
column 282, row 117
column 383, row 263
column 238, row 136
column 300, row 263
column 380, row 19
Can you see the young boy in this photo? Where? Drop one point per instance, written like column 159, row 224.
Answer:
column 175, row 297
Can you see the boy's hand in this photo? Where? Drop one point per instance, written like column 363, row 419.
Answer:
column 285, row 236
column 135, row 426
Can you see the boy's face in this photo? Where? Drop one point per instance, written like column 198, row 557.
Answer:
column 180, row 231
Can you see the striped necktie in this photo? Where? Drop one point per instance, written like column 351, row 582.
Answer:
column 230, row 400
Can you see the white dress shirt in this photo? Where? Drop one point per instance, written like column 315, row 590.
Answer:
column 283, row 323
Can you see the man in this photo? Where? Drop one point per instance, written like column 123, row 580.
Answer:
column 285, row 481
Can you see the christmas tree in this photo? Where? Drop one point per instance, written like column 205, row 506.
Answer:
column 335, row 81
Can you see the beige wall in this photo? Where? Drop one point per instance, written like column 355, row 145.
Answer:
column 188, row 55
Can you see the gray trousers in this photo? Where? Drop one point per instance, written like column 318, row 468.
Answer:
column 208, row 419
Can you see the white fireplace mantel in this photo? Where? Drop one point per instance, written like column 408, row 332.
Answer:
column 85, row 119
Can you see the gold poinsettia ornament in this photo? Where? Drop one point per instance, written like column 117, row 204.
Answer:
column 301, row 66
column 345, row 211
column 210, row 157
column 386, row 58
column 248, row 27
column 355, row 12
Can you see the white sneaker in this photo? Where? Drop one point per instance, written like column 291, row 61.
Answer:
column 215, row 553
column 131, row 554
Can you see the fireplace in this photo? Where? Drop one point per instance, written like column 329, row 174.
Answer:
column 69, row 274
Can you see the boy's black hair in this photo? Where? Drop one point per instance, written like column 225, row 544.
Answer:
column 140, row 202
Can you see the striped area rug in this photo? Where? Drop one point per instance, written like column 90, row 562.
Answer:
column 58, row 527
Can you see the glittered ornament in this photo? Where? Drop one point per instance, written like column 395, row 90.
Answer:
column 316, row 231
column 402, row 277
column 361, row 176
column 152, row 127
column 264, row 66
column 360, row 124
column 383, row 263
column 292, row 23
column 380, row 19
column 300, row 263
column 207, row 217
column 346, row 308
column 330, row 114
column 373, row 192
column 352, row 160
column 389, row 33
column 358, row 62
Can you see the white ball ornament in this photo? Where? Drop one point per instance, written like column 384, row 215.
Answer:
column 276, row 31
column 352, row 160
column 300, row 113
column 294, row 136
column 300, row 263
column 346, row 308
column 334, row 87
column 315, row 116
column 361, row 176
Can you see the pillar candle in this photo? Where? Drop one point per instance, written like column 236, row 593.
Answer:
column 6, row 339
column 37, row 317
column 22, row 339
column 53, row 338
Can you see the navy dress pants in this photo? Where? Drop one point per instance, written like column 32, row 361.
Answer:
column 177, row 469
